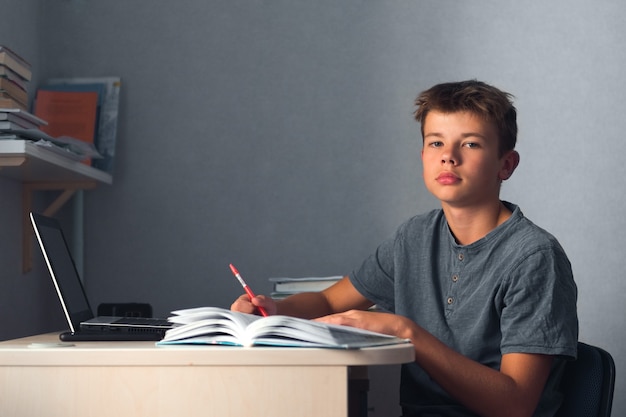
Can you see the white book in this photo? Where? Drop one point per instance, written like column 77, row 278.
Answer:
column 218, row 326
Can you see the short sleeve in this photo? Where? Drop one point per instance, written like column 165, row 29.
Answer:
column 539, row 306
column 374, row 278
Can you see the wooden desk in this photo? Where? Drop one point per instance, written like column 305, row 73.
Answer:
column 139, row 379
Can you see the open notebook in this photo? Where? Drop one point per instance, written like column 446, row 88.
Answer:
column 80, row 318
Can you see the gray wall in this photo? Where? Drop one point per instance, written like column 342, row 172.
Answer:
column 277, row 135
column 27, row 297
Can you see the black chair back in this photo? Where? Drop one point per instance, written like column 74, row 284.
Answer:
column 588, row 384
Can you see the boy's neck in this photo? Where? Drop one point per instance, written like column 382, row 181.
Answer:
column 471, row 224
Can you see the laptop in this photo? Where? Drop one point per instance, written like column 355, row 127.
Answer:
column 83, row 324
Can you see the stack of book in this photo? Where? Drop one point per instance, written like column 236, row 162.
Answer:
column 284, row 287
column 70, row 116
column 15, row 74
column 15, row 121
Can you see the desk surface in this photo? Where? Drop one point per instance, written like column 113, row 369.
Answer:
column 42, row 350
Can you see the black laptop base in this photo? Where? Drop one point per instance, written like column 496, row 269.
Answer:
column 86, row 336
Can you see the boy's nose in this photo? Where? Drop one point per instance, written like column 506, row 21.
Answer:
column 449, row 158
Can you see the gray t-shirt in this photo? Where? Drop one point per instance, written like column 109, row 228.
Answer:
column 511, row 291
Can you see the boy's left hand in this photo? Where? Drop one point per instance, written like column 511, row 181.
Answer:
column 387, row 323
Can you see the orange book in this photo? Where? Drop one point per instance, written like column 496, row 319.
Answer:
column 72, row 114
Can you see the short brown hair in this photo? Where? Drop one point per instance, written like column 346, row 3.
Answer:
column 475, row 97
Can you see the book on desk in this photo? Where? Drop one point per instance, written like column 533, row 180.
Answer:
column 218, row 326
column 286, row 286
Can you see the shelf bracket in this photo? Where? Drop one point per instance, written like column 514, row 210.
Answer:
column 67, row 190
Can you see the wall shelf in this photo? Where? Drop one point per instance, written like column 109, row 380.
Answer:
column 38, row 169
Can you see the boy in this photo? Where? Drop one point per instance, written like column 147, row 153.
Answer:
column 486, row 297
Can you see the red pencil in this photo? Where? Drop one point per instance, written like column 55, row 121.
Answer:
column 246, row 288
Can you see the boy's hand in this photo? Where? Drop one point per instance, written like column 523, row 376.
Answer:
column 386, row 323
column 244, row 304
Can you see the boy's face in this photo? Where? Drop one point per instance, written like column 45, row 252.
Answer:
column 462, row 166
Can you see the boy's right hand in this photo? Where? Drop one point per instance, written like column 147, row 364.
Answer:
column 244, row 304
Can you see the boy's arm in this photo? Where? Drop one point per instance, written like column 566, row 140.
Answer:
column 340, row 297
column 513, row 391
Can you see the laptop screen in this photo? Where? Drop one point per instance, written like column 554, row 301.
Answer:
column 62, row 269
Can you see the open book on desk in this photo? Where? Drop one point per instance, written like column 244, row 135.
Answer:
column 218, row 326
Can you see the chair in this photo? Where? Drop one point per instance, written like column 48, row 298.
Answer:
column 588, row 384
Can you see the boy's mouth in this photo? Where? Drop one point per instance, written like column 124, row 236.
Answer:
column 447, row 178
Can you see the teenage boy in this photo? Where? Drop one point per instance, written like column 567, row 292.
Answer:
column 486, row 297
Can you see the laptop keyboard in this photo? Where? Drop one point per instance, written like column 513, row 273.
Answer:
column 143, row 321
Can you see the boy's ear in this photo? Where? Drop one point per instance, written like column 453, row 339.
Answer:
column 509, row 162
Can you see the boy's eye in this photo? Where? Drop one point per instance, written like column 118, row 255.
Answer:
column 436, row 143
column 472, row 145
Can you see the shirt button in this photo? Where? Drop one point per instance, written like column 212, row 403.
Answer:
column 455, row 278
column 461, row 256
column 450, row 300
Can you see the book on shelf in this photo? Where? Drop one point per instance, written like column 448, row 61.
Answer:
column 21, row 118
column 9, row 74
column 6, row 125
column 7, row 102
column 218, row 326
column 304, row 284
column 9, row 135
column 108, row 90
column 11, row 90
column 70, row 114
column 11, row 125
column 66, row 146
column 15, row 62
column 18, row 124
